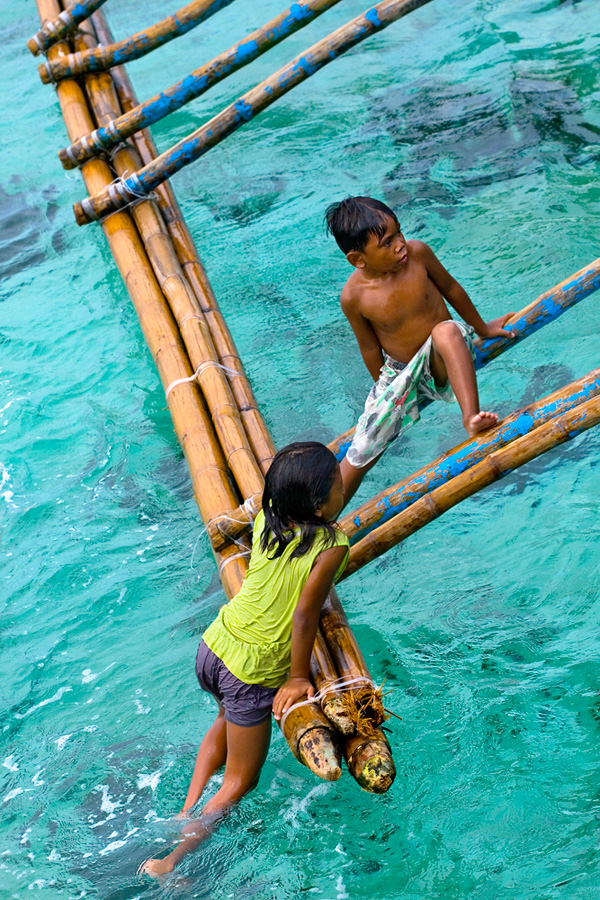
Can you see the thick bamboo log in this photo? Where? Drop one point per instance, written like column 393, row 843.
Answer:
column 195, row 84
column 307, row 731
column 63, row 24
column 492, row 468
column 134, row 47
column 311, row 742
column 123, row 191
column 393, row 500
column 370, row 762
column 182, row 301
column 191, row 421
column 324, row 677
column 258, row 434
column 540, row 312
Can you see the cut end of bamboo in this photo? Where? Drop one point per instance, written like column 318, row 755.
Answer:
column 370, row 763
column 33, row 46
column 320, row 754
column 336, row 712
column 80, row 216
column 65, row 159
column 43, row 72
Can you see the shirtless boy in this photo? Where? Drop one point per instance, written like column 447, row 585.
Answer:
column 413, row 349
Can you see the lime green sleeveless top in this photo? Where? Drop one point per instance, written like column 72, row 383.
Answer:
column 252, row 634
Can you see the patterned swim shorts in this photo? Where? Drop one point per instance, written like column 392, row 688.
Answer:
column 393, row 401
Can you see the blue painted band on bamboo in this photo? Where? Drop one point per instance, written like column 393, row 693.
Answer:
column 462, row 459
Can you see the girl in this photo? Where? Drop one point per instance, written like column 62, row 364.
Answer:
column 255, row 656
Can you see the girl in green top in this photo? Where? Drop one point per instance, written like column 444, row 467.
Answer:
column 255, row 656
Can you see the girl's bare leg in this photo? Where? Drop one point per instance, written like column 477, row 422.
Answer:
column 451, row 361
column 247, row 749
column 211, row 757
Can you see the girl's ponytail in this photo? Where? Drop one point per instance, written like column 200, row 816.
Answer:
column 296, row 486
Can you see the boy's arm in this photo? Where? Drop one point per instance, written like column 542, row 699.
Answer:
column 459, row 300
column 304, row 628
column 368, row 342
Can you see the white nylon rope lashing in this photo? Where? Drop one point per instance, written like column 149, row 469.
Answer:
column 199, row 370
column 328, row 688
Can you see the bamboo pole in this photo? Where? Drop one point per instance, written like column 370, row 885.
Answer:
column 191, row 421
column 254, row 424
column 63, row 24
column 492, row 468
column 182, row 301
column 309, row 729
column 123, row 191
column 195, row 84
column 134, row 47
column 394, row 500
column 545, row 309
column 391, row 501
column 309, row 739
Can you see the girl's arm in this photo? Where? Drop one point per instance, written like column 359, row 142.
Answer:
column 304, row 628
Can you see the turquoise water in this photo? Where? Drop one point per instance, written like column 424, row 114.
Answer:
column 481, row 126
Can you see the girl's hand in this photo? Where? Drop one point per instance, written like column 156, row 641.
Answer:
column 289, row 693
column 496, row 328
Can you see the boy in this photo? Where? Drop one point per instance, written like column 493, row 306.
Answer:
column 413, row 349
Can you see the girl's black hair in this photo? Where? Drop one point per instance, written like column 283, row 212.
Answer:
column 296, row 485
column 353, row 220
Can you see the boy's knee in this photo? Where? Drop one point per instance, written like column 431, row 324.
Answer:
column 445, row 331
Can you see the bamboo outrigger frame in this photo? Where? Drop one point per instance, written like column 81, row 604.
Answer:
column 308, row 732
column 126, row 190
column 195, row 84
column 223, row 435
column 562, row 428
column 393, row 500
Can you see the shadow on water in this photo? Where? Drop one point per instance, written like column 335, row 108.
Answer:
column 25, row 217
column 247, row 204
column 454, row 144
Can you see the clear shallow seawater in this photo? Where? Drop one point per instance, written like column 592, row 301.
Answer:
column 479, row 123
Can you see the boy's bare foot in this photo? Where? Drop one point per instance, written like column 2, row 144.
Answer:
column 480, row 422
column 156, row 867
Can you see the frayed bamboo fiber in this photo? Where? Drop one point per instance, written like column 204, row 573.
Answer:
column 63, row 24
column 540, row 312
column 243, row 109
column 191, row 421
column 254, row 424
column 195, row 84
column 324, row 677
column 394, row 500
column 134, row 47
column 308, row 729
column 193, row 328
column 492, row 468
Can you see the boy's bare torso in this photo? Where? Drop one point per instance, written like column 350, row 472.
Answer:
column 402, row 306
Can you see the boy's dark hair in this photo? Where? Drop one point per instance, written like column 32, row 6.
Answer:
column 352, row 220
column 297, row 484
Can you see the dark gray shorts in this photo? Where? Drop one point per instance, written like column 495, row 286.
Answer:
column 244, row 704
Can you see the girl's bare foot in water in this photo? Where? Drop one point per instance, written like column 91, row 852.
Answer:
column 480, row 422
column 156, row 867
